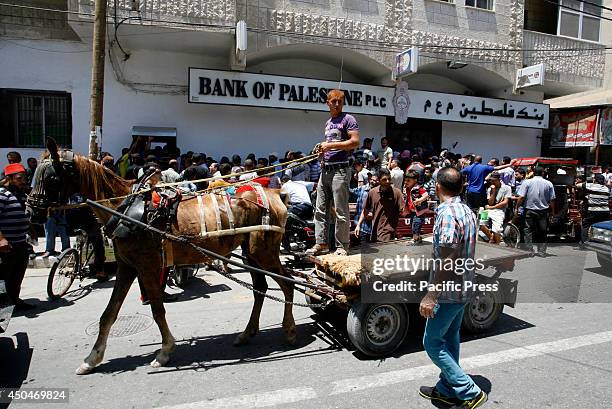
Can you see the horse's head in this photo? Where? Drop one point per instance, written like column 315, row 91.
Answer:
column 55, row 180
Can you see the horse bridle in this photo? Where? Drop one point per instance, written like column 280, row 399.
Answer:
column 52, row 183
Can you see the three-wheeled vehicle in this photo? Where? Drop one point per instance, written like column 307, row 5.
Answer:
column 561, row 172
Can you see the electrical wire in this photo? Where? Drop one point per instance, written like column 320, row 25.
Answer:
column 219, row 26
column 79, row 13
column 578, row 10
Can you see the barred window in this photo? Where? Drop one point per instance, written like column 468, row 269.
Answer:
column 28, row 117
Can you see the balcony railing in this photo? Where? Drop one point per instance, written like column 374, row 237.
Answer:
column 190, row 13
column 585, row 65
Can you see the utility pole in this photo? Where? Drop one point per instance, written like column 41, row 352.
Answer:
column 97, row 78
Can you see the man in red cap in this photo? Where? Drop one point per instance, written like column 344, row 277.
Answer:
column 14, row 224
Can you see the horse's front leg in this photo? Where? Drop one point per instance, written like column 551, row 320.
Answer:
column 259, row 284
column 124, row 279
column 151, row 282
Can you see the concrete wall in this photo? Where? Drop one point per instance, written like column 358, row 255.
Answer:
column 36, row 24
column 491, row 141
column 215, row 130
column 478, row 24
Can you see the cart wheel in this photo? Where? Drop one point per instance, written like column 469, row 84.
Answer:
column 377, row 329
column 62, row 274
column 482, row 311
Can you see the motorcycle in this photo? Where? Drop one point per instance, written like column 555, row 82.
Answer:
column 299, row 234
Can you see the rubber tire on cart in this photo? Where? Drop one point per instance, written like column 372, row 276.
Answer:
column 364, row 324
column 482, row 311
column 67, row 256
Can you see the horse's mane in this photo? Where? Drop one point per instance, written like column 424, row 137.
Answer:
column 100, row 182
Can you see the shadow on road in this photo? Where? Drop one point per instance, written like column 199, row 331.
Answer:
column 197, row 287
column 205, row 353
column 67, row 300
column 15, row 361
column 414, row 340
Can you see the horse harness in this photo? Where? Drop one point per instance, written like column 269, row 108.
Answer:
column 159, row 207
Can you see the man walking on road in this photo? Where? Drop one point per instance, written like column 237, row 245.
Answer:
column 454, row 240
column 537, row 195
column 341, row 136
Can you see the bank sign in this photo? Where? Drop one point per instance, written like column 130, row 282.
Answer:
column 239, row 88
column 272, row 91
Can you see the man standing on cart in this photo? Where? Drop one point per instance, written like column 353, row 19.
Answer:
column 341, row 137
column 454, row 240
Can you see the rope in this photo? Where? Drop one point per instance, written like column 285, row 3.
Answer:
column 284, row 166
column 206, row 252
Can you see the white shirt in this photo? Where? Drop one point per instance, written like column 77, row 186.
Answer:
column 216, row 175
column 296, row 192
column 362, row 177
column 170, row 176
column 385, row 155
column 397, row 178
column 248, row 176
column 502, row 193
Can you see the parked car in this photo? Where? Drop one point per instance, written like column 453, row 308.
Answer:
column 600, row 241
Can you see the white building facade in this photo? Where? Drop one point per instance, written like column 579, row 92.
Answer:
column 468, row 49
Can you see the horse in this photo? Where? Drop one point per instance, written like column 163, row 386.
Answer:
column 62, row 173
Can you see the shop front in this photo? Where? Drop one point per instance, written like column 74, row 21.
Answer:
column 222, row 112
column 464, row 124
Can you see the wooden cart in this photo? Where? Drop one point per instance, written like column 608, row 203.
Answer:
column 377, row 329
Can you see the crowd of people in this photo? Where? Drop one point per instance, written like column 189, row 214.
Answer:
column 499, row 191
column 385, row 185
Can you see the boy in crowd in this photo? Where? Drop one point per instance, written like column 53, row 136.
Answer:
column 498, row 198
column 416, row 203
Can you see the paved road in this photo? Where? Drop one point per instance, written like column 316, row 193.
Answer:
column 539, row 355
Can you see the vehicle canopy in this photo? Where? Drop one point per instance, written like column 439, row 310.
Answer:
column 560, row 171
column 538, row 160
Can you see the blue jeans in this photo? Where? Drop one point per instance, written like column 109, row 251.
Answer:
column 441, row 342
column 56, row 226
column 417, row 222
